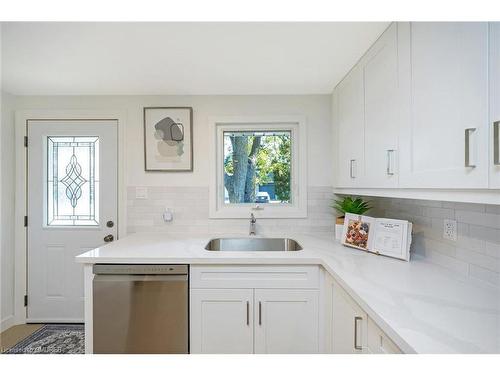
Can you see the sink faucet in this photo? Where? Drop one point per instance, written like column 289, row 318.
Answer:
column 253, row 220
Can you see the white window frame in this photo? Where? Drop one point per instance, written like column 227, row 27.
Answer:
column 218, row 209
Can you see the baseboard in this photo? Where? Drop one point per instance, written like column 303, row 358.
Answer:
column 6, row 323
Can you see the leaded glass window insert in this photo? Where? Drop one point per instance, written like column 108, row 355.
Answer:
column 72, row 181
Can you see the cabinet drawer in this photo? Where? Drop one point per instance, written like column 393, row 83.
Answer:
column 221, row 276
column 378, row 342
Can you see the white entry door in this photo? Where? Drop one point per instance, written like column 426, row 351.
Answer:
column 72, row 208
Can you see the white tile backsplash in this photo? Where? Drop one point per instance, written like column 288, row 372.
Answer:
column 476, row 252
column 190, row 208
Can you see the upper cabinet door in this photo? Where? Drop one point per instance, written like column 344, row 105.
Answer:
column 348, row 105
column 386, row 74
column 494, row 124
column 446, row 143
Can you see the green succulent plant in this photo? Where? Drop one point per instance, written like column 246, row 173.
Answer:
column 351, row 205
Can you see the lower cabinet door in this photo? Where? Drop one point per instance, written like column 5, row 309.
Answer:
column 286, row 321
column 378, row 342
column 221, row 321
column 349, row 324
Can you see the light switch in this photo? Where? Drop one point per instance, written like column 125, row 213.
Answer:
column 141, row 192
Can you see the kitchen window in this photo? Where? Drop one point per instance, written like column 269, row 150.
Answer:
column 259, row 168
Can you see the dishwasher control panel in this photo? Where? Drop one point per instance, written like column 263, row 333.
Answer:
column 140, row 269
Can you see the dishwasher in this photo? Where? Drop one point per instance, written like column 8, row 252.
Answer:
column 140, row 309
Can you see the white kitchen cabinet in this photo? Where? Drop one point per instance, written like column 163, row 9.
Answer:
column 254, row 309
column 286, row 321
column 221, row 321
column 378, row 342
column 348, row 105
column 494, row 124
column 386, row 81
column 369, row 106
column 349, row 324
column 445, row 145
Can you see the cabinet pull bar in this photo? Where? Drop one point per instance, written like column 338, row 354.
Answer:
column 248, row 313
column 390, row 166
column 468, row 162
column 496, row 143
column 260, row 313
column 356, row 346
column 352, row 168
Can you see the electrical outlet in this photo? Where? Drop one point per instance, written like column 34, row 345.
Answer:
column 450, row 229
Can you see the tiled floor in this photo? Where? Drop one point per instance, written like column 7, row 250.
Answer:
column 14, row 334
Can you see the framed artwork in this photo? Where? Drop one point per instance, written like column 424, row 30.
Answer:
column 168, row 139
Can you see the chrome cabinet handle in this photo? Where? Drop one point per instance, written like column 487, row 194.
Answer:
column 390, row 166
column 356, row 346
column 248, row 313
column 468, row 162
column 352, row 166
column 496, row 143
column 260, row 313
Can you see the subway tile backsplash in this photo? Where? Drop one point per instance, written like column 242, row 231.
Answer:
column 475, row 254
column 190, row 206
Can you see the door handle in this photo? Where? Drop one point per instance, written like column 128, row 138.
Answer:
column 356, row 346
column 496, row 143
column 108, row 238
column 248, row 313
column 469, row 162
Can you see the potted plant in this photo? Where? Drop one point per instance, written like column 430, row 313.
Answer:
column 350, row 205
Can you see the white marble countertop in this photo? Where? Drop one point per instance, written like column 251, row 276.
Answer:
column 422, row 307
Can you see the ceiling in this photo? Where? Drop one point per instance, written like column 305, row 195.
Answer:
column 180, row 58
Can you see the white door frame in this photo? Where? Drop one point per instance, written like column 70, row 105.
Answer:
column 21, row 126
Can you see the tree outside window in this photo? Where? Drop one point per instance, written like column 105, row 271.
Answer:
column 257, row 167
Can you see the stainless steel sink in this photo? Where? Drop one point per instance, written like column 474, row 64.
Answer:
column 253, row 244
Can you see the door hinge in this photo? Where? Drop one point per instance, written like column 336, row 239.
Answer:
column 26, row 221
column 25, row 300
column 25, row 141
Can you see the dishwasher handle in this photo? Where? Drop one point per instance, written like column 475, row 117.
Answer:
column 131, row 278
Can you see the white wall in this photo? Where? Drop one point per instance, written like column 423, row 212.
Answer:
column 7, row 212
column 316, row 108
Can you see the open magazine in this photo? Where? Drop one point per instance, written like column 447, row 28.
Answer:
column 389, row 237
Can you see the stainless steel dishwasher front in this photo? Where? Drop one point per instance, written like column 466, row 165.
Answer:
column 140, row 308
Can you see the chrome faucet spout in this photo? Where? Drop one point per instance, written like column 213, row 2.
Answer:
column 253, row 221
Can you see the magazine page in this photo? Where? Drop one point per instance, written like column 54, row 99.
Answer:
column 390, row 237
column 357, row 231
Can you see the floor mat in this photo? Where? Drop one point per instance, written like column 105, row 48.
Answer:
column 53, row 339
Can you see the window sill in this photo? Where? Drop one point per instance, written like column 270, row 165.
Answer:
column 260, row 213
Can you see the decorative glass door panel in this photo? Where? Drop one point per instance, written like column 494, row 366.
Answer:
column 72, row 181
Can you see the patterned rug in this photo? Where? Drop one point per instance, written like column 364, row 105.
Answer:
column 53, row 339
